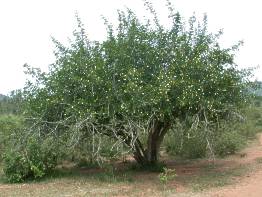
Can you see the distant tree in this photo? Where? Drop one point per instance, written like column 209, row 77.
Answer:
column 11, row 104
column 133, row 86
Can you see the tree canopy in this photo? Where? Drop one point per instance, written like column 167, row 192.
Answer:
column 133, row 86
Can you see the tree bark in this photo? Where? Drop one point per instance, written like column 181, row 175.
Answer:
column 155, row 138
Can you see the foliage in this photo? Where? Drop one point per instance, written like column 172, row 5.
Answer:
column 186, row 141
column 258, row 88
column 167, row 175
column 25, row 152
column 30, row 157
column 10, row 125
column 11, row 104
column 133, row 86
column 227, row 138
column 252, row 124
column 85, row 152
column 2, row 97
column 229, row 143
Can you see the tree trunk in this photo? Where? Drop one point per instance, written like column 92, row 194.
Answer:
column 155, row 138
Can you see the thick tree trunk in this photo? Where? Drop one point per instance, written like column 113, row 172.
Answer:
column 155, row 138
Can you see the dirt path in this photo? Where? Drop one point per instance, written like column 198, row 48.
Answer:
column 251, row 184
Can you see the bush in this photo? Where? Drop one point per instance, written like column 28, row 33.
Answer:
column 10, row 127
column 92, row 150
column 224, row 139
column 33, row 159
column 15, row 166
column 193, row 147
column 187, row 142
column 228, row 143
column 193, row 144
column 167, row 175
column 252, row 124
column 187, row 146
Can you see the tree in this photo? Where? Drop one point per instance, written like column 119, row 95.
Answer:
column 11, row 104
column 133, row 86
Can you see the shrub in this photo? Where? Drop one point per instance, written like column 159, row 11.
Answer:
column 187, row 146
column 223, row 141
column 224, row 138
column 9, row 123
column 228, row 143
column 33, row 159
column 10, row 127
column 167, row 175
column 15, row 167
column 251, row 126
column 187, row 142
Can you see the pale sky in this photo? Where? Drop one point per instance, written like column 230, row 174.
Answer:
column 26, row 27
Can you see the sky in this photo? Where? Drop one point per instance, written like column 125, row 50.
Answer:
column 26, row 28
